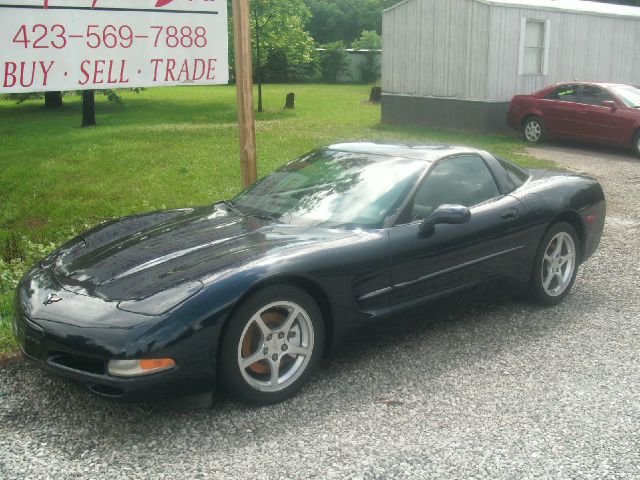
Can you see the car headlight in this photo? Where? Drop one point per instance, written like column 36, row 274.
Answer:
column 137, row 368
column 161, row 302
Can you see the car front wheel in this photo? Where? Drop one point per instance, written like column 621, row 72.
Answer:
column 533, row 130
column 556, row 265
column 271, row 345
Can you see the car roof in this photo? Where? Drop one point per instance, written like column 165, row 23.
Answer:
column 425, row 152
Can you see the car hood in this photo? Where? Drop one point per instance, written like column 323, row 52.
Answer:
column 137, row 257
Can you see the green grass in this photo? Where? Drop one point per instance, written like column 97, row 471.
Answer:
column 168, row 147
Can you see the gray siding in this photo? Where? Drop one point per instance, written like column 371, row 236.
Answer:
column 436, row 48
column 582, row 47
column 470, row 50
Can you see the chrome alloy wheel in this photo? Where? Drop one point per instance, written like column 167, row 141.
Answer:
column 533, row 131
column 558, row 264
column 275, row 346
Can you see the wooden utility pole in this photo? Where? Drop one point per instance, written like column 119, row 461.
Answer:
column 244, row 90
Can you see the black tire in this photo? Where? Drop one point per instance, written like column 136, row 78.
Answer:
column 533, row 130
column 542, row 268
column 636, row 143
column 241, row 383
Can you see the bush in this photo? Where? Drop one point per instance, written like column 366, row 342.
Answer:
column 17, row 255
column 370, row 68
column 334, row 61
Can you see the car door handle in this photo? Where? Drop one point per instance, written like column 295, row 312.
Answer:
column 510, row 214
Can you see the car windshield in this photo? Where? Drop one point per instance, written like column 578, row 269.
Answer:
column 333, row 189
column 630, row 95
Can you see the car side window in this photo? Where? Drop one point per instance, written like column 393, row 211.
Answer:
column 464, row 180
column 565, row 93
column 516, row 176
column 593, row 95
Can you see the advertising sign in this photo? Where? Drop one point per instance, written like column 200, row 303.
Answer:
column 51, row 45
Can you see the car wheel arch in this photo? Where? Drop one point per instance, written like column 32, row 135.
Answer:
column 311, row 287
column 529, row 116
column 572, row 218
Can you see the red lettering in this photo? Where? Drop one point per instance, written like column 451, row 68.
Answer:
column 159, row 3
column 10, row 76
column 171, row 64
column 156, row 63
column 83, row 69
column 211, row 73
column 198, row 75
column 45, row 71
column 98, row 71
column 109, row 79
column 23, row 67
column 122, row 67
column 184, row 71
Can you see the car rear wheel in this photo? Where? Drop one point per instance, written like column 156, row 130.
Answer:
column 533, row 130
column 556, row 265
column 271, row 345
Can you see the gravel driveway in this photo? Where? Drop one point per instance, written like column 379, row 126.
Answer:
column 500, row 390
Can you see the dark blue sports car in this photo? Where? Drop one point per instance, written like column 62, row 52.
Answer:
column 248, row 294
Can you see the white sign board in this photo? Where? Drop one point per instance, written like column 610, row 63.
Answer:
column 50, row 45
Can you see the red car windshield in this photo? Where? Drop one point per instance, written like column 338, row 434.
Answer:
column 628, row 94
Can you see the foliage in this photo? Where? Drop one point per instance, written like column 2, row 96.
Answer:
column 22, row 97
column 175, row 147
column 344, row 20
column 278, row 69
column 17, row 254
column 370, row 68
column 334, row 61
column 112, row 95
column 369, row 40
column 278, row 31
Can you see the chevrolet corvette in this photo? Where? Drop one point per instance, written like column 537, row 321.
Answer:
column 248, row 294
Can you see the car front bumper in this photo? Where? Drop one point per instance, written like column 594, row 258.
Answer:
column 188, row 377
column 76, row 337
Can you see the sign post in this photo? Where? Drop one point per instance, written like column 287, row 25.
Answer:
column 244, row 89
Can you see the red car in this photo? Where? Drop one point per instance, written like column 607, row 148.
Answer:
column 604, row 113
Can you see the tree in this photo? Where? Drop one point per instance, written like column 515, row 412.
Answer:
column 89, row 103
column 278, row 28
column 53, row 100
column 344, row 20
column 370, row 68
column 333, row 61
column 88, row 108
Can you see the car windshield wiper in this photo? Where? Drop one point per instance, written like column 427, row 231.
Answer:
column 231, row 206
column 265, row 217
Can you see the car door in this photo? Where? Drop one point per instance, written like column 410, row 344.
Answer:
column 455, row 256
column 561, row 111
column 597, row 122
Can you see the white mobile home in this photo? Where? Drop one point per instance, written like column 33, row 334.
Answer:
column 457, row 63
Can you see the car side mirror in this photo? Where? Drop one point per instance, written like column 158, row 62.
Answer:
column 446, row 214
column 611, row 104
